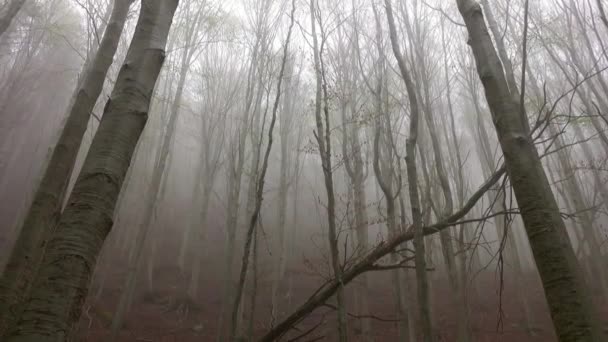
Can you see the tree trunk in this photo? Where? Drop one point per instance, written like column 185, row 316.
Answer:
column 294, row 219
column 367, row 263
column 259, row 187
column 324, row 143
column 155, row 192
column 45, row 210
column 412, row 177
column 565, row 290
column 498, row 198
column 581, row 208
column 199, row 223
column 236, row 162
column 446, row 236
column 464, row 329
column 355, row 168
column 7, row 17
column 285, row 130
column 60, row 288
column 384, row 172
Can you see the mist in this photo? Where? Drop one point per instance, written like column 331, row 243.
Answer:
column 289, row 170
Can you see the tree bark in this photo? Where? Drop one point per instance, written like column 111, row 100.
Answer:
column 581, row 208
column 412, row 177
column 7, row 18
column 61, row 287
column 286, row 125
column 259, row 187
column 236, row 162
column 45, row 210
column 324, row 144
column 384, row 172
column 355, row 167
column 564, row 287
column 160, row 172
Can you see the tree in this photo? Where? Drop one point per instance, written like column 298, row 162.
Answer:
column 212, row 142
column 565, row 290
column 255, row 88
column 45, row 210
column 497, row 198
column 412, row 177
column 191, row 42
column 286, row 125
column 423, row 81
column 353, row 152
column 323, row 138
column 253, row 221
column 385, row 173
column 60, row 288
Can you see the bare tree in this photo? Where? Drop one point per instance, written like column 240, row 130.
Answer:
column 237, row 157
column 564, row 288
column 423, row 80
column 370, row 261
column 260, row 183
column 323, row 139
column 60, row 288
column 192, row 44
column 412, row 177
column 385, row 175
column 45, row 210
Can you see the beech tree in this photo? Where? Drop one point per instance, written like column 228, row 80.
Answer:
column 71, row 252
column 323, row 138
column 412, row 174
column 45, row 209
column 565, row 289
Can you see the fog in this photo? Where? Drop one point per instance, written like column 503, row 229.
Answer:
column 282, row 170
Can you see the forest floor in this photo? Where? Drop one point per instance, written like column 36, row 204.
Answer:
column 157, row 316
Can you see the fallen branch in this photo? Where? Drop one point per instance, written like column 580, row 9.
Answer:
column 309, row 331
column 366, row 263
column 333, row 307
